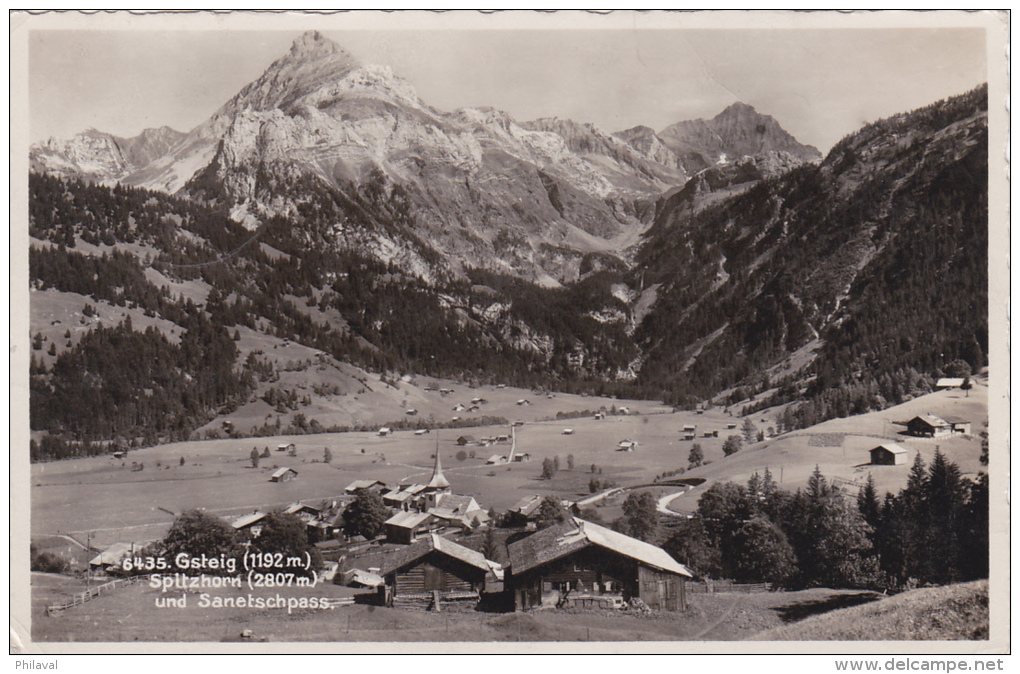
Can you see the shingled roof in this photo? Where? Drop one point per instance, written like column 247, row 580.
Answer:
column 430, row 543
column 575, row 534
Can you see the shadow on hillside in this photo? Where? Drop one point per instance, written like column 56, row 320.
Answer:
column 805, row 609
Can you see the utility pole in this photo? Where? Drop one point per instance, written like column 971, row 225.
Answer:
column 88, row 562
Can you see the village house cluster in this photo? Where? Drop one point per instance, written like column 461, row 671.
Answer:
column 418, row 564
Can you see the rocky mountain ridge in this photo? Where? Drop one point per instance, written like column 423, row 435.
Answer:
column 528, row 198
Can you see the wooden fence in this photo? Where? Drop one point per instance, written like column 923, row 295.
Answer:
column 86, row 595
column 718, row 588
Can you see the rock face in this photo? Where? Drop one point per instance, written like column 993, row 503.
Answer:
column 736, row 132
column 528, row 198
column 102, row 156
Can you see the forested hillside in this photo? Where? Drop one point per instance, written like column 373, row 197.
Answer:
column 486, row 327
column 875, row 260
column 846, row 286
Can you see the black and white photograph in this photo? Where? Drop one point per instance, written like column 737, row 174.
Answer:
column 423, row 332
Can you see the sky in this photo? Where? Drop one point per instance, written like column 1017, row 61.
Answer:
column 819, row 84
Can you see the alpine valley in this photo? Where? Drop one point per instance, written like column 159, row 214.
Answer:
column 326, row 223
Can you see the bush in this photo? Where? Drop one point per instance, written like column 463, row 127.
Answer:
column 47, row 562
column 461, row 455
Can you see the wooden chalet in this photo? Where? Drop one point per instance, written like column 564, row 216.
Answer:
column 434, row 570
column 580, row 559
column 929, row 426
column 405, row 527
column 250, row 523
column 888, row 454
column 283, row 475
column 377, row 486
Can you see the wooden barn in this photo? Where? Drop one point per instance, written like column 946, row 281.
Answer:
column 578, row 559
column 929, row 426
column 436, row 569
column 283, row 475
column 889, row 454
column 405, row 527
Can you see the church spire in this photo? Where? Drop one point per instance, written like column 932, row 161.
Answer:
column 438, row 481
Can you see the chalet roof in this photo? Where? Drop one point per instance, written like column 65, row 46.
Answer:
column 527, row 505
column 397, row 495
column 495, row 458
column 113, row 554
column 248, row 520
column 931, row 420
column 434, row 542
column 575, row 534
column 298, row 507
column 949, row 382
column 415, row 488
column 280, row 472
column 457, row 503
column 956, row 420
column 407, row 520
column 366, row 578
column 362, row 484
column 891, row 447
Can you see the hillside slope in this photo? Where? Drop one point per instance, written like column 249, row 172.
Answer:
column 895, row 216
column 953, row 612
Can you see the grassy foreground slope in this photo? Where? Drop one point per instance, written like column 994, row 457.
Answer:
column 952, row 612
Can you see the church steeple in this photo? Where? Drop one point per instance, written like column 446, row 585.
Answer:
column 438, row 481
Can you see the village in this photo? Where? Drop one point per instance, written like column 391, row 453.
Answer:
column 437, row 549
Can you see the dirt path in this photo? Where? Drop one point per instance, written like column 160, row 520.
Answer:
column 723, row 618
column 663, row 503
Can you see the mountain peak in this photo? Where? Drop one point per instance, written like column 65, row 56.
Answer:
column 313, row 44
column 737, row 109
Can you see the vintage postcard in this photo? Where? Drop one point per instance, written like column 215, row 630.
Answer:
column 478, row 332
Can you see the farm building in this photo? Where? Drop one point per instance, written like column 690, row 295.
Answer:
column 398, row 498
column 568, row 431
column 405, row 527
column 960, row 426
column 949, row 382
column 283, row 475
column 362, row 578
column 929, row 426
column 466, row 440
column 626, row 446
column 459, row 408
column 384, row 431
column 889, row 454
column 523, row 457
column 495, row 460
column 250, row 523
column 411, row 412
column 421, row 431
column 286, row 447
column 578, row 558
column 113, row 555
column 456, row 510
column 435, row 569
column 377, row 486
column 689, row 432
column 523, row 511
column 303, row 510
column 523, row 401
